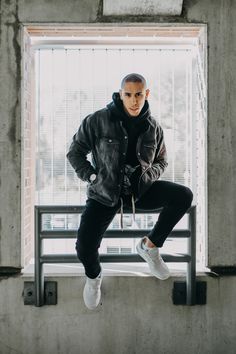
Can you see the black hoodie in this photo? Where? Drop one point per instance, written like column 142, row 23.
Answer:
column 134, row 127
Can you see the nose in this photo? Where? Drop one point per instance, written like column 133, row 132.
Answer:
column 134, row 100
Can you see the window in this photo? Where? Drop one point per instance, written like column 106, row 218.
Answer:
column 77, row 76
column 70, row 86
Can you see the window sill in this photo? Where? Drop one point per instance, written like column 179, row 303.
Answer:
column 109, row 269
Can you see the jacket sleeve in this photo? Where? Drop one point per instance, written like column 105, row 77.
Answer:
column 81, row 146
column 160, row 161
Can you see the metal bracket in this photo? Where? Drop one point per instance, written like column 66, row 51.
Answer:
column 9, row 271
column 179, row 293
column 225, row 270
column 50, row 293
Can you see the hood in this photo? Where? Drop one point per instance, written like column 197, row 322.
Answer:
column 117, row 109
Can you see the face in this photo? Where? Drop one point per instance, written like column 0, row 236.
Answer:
column 133, row 96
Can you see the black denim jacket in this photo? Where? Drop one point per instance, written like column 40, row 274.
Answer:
column 105, row 137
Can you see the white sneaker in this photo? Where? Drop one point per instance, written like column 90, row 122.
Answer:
column 92, row 292
column 156, row 264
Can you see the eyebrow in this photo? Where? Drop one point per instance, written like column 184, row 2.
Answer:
column 135, row 92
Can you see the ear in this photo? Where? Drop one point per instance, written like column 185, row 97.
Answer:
column 120, row 92
column 147, row 94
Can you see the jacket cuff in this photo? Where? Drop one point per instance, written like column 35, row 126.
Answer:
column 86, row 176
column 129, row 170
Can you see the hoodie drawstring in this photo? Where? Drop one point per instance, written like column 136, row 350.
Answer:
column 133, row 207
column 122, row 211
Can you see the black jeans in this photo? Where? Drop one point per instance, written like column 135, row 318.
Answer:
column 95, row 219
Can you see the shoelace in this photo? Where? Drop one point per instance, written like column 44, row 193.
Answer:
column 122, row 211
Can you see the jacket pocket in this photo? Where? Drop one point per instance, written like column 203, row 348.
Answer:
column 108, row 152
column 148, row 151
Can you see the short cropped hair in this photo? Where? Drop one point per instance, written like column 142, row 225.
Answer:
column 133, row 77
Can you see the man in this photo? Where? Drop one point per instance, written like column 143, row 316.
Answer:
column 128, row 157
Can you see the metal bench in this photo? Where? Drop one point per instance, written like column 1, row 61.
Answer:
column 41, row 259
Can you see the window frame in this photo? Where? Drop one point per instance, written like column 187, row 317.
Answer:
column 43, row 43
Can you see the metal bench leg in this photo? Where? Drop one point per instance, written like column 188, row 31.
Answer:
column 38, row 266
column 191, row 266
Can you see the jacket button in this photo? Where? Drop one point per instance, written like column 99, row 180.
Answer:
column 138, row 153
column 126, row 137
column 123, row 153
column 110, row 140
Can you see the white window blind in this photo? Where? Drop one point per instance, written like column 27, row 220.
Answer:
column 72, row 83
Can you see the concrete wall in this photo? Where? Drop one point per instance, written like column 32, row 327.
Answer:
column 219, row 16
column 163, row 328
column 136, row 317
